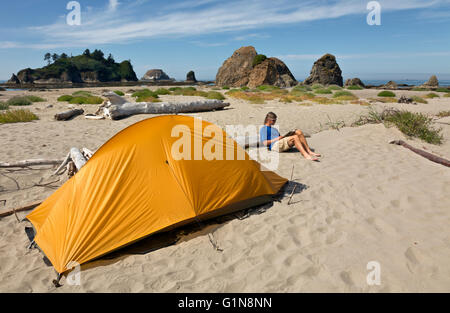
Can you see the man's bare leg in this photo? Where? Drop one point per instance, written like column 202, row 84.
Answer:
column 295, row 141
column 302, row 139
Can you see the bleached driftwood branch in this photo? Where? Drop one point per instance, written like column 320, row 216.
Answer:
column 117, row 107
column 27, row 163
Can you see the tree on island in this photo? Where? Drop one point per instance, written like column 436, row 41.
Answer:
column 48, row 57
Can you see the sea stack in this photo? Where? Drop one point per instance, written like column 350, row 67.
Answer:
column 243, row 68
column 190, row 77
column 432, row 82
column 155, row 74
column 325, row 71
column 354, row 82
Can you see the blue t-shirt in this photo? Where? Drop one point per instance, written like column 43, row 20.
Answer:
column 268, row 133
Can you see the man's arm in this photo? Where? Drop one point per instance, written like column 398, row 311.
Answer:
column 269, row 142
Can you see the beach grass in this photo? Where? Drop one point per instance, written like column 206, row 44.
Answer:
column 303, row 88
column 387, row 94
column 4, row 106
column 334, row 87
column 82, row 93
column 344, row 95
column 443, row 114
column 419, row 99
column 65, row 98
column 119, row 93
column 19, row 101
column 162, row 91
column 412, row 124
column 215, row 95
column 355, row 87
column 432, row 95
column 443, row 89
column 323, row 91
column 17, row 116
column 86, row 100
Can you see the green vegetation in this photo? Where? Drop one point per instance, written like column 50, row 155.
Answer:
column 443, row 89
column 215, row 95
column 65, row 98
column 226, row 88
column 355, row 87
column 431, row 95
column 82, row 93
column 323, row 91
column 19, row 101
column 4, row 106
column 35, row 98
column 81, row 97
column 419, row 99
column 317, row 86
column 103, row 69
column 119, row 93
column 245, row 88
column 334, row 87
column 420, row 89
column 447, row 95
column 86, row 100
column 388, row 94
column 267, row 88
column 443, row 114
column 17, row 116
column 344, row 95
column 411, row 124
column 162, row 91
column 259, row 58
column 303, row 88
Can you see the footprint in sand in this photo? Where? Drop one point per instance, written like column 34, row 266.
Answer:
column 347, row 278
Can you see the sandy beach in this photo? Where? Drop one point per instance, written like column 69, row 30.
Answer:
column 367, row 200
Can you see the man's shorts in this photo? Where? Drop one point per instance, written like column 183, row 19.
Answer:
column 281, row 145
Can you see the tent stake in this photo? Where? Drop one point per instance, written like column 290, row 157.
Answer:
column 292, row 194
column 56, row 281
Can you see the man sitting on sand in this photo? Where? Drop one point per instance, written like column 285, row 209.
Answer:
column 271, row 138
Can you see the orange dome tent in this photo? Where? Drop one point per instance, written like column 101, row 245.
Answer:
column 136, row 185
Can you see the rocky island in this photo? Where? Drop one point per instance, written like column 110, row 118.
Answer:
column 85, row 68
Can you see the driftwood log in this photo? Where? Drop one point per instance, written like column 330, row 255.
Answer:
column 427, row 155
column 21, row 209
column 64, row 116
column 27, row 163
column 117, row 107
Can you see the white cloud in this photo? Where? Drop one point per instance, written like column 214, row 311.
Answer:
column 399, row 55
column 207, row 17
column 113, row 4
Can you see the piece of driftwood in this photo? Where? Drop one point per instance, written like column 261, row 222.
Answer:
column 94, row 117
column 63, row 164
column 27, row 163
column 21, row 209
column 115, row 112
column 78, row 158
column 64, row 116
column 117, row 107
column 74, row 161
column 427, row 155
column 87, row 153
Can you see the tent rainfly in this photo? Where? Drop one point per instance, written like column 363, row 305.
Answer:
column 148, row 178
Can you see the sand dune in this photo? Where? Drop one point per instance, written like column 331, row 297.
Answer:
column 365, row 201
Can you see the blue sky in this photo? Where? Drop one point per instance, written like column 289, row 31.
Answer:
column 413, row 40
